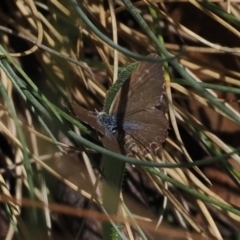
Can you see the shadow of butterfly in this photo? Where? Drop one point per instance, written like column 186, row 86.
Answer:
column 136, row 122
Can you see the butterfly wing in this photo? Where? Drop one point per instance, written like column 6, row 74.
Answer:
column 142, row 91
column 148, row 129
column 111, row 143
column 90, row 118
column 137, row 106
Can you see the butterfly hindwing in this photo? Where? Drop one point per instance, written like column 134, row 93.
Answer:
column 149, row 127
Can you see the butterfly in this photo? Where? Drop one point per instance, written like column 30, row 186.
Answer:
column 136, row 121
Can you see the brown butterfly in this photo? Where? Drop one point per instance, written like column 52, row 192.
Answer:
column 136, row 120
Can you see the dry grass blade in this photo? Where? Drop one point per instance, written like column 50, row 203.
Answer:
column 45, row 38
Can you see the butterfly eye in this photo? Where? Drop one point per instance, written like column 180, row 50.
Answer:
column 114, row 130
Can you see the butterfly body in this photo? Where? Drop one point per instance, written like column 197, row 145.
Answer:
column 106, row 121
column 136, row 120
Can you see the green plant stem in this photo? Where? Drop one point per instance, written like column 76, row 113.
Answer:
column 113, row 173
column 119, row 157
column 123, row 76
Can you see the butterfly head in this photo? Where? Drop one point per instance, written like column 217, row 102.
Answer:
column 107, row 121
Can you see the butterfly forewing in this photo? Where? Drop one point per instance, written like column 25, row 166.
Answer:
column 87, row 117
column 144, row 89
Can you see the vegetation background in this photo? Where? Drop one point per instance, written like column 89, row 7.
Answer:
column 57, row 52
